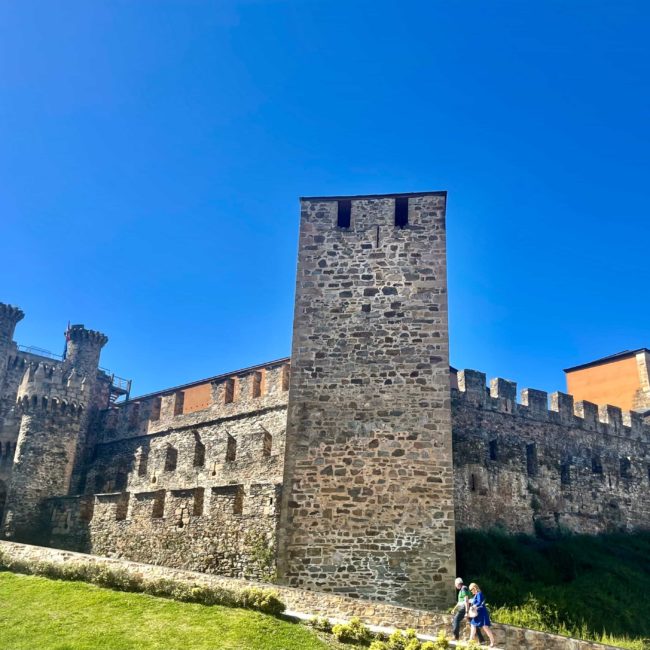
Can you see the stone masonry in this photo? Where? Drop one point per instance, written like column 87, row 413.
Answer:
column 367, row 504
column 347, row 475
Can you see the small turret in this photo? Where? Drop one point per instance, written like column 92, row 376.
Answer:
column 9, row 318
column 83, row 349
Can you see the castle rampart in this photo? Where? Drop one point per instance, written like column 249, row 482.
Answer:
column 526, row 467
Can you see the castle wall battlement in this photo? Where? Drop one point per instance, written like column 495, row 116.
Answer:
column 501, row 397
column 227, row 528
column 527, row 467
column 230, row 396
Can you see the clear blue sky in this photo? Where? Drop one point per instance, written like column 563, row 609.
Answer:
column 152, row 154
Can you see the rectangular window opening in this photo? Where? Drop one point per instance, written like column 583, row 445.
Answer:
column 401, row 211
column 344, row 214
column 493, row 450
column 626, row 467
column 565, row 474
column 229, row 395
column 257, row 384
column 531, row 459
column 179, row 400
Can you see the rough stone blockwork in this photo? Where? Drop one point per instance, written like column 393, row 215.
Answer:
column 197, row 490
column 309, row 602
column 368, row 491
column 527, row 468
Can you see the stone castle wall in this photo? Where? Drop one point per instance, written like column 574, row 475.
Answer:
column 527, row 468
column 196, row 490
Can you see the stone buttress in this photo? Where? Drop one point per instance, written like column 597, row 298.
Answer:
column 368, row 506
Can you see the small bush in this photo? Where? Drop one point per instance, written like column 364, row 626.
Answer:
column 378, row 645
column 320, row 623
column 353, row 632
column 264, row 600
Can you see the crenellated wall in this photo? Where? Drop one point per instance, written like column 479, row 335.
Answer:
column 196, row 490
column 526, row 467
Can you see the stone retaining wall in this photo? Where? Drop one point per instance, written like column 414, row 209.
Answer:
column 311, row 602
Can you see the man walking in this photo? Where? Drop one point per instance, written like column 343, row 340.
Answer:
column 462, row 607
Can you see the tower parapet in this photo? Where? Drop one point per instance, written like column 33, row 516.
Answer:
column 52, row 402
column 83, row 348
column 10, row 316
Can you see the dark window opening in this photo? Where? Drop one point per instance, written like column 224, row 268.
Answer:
column 596, row 465
column 626, row 466
column 231, row 449
column 531, row 459
column 199, row 452
column 472, row 483
column 493, row 450
column 401, row 211
column 171, row 459
column 121, row 480
column 565, row 474
column 344, row 214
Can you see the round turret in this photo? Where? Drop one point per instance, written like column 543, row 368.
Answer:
column 83, row 349
column 9, row 317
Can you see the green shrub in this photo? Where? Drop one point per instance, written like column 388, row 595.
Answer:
column 353, row 632
column 320, row 623
column 264, row 600
column 378, row 645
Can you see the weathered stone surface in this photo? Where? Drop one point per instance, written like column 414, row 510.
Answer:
column 368, row 490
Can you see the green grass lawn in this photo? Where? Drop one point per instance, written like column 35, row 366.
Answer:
column 41, row 614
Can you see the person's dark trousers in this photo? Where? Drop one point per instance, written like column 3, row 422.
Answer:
column 455, row 625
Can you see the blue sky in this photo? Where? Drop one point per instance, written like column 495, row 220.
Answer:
column 152, row 155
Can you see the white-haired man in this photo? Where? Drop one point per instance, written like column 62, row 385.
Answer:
column 462, row 607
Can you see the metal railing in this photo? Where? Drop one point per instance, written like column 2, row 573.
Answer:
column 40, row 352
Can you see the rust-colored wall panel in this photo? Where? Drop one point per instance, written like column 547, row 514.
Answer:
column 197, row 398
column 613, row 383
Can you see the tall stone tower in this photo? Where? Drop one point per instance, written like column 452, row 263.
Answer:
column 368, row 505
column 53, row 399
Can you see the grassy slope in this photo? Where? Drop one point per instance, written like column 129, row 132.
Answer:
column 55, row 615
column 579, row 584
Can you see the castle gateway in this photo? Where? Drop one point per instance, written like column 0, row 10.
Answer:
column 347, row 473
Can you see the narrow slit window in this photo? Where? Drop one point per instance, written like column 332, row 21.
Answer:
column 199, row 452
column 596, row 465
column 171, row 459
column 531, row 459
column 626, row 467
column 401, row 211
column 231, row 449
column 493, row 450
column 472, row 483
column 344, row 214
column 179, row 401
column 565, row 474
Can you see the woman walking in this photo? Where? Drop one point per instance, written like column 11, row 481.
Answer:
column 482, row 618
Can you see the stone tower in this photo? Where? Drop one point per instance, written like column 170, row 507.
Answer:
column 368, row 505
column 9, row 318
column 54, row 400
